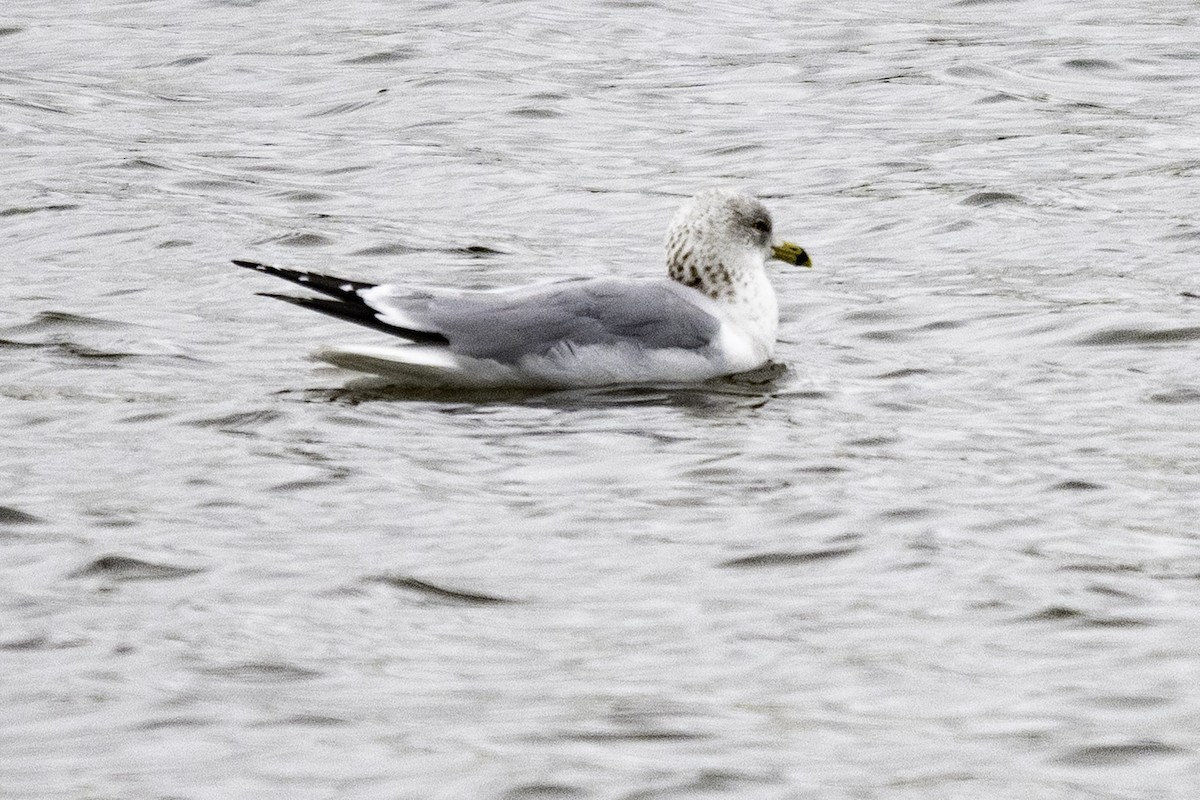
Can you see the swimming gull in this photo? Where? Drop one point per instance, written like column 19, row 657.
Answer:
column 714, row 314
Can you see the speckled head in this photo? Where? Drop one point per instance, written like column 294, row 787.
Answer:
column 719, row 239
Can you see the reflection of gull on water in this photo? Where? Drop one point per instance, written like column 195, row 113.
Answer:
column 715, row 314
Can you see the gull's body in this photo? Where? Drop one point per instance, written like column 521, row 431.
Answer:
column 714, row 314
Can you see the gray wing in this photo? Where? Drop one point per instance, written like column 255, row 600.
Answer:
column 507, row 326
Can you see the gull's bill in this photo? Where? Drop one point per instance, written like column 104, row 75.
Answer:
column 790, row 253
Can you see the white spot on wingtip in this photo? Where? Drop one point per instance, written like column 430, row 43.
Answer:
column 345, row 287
column 303, row 279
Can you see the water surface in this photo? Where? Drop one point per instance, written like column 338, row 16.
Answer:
column 949, row 550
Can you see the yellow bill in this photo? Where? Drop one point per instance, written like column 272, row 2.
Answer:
column 791, row 254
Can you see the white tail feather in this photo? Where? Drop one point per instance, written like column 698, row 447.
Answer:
column 417, row 365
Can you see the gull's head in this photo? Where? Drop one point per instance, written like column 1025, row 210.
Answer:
column 719, row 241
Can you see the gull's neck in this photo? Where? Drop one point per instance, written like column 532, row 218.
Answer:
column 737, row 282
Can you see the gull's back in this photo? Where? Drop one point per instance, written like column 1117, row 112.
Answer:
column 509, row 326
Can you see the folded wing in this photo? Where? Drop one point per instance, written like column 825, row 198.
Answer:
column 511, row 326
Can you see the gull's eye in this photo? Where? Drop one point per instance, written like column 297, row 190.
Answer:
column 761, row 225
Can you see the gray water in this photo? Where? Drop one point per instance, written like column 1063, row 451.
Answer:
column 948, row 550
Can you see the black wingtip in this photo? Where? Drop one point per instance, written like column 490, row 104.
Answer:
column 341, row 288
column 360, row 314
column 287, row 298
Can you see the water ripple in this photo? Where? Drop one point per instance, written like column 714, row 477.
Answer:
column 15, row 516
column 127, row 568
column 438, row 592
column 787, row 559
column 1141, row 336
column 1117, row 755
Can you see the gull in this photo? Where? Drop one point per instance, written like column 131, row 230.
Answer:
column 714, row 314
